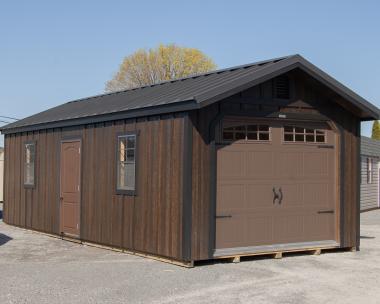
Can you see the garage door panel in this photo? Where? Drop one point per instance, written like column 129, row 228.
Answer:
column 317, row 194
column 259, row 230
column 239, row 230
column 233, row 164
column 259, row 196
column 316, row 164
column 287, row 228
column 289, row 164
column 319, row 226
column 232, row 232
column 260, row 164
column 292, row 194
column 230, row 197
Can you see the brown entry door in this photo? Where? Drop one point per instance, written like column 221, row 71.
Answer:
column 275, row 185
column 70, row 188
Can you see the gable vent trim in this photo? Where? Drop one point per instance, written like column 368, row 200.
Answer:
column 282, row 87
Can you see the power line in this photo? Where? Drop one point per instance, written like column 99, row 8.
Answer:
column 9, row 117
column 3, row 121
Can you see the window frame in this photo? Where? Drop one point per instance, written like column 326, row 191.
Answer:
column 304, row 134
column 246, row 139
column 25, row 144
column 118, row 191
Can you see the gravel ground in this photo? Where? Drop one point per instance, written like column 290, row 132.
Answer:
column 39, row 269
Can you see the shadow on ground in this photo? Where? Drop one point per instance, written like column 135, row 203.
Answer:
column 4, row 239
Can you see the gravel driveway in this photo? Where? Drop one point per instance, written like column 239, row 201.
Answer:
column 39, row 269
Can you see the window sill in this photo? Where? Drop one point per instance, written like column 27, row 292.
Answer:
column 26, row 186
column 126, row 192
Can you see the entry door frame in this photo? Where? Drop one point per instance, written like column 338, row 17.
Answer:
column 68, row 139
column 339, row 173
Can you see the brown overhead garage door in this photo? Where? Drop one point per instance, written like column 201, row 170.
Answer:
column 276, row 184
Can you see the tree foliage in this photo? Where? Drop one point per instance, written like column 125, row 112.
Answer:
column 166, row 62
column 376, row 130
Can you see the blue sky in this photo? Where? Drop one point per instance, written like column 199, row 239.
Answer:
column 55, row 51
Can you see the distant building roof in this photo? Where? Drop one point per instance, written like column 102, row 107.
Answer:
column 370, row 147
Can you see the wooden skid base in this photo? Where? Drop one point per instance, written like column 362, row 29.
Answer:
column 278, row 255
column 235, row 259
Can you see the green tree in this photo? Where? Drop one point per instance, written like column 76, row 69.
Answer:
column 166, row 62
column 376, row 130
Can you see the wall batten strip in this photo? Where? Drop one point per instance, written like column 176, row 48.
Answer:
column 187, row 188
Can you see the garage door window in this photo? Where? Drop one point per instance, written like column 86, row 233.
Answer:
column 247, row 132
column 298, row 134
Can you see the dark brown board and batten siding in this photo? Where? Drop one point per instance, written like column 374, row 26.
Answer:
column 149, row 222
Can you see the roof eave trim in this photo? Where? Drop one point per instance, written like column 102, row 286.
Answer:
column 369, row 109
column 182, row 106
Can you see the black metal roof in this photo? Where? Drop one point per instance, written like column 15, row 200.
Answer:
column 181, row 95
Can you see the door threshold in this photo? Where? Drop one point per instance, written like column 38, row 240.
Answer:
column 275, row 248
column 69, row 236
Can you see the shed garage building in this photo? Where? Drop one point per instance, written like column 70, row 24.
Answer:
column 257, row 158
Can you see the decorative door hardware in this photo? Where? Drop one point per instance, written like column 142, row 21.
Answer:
column 278, row 195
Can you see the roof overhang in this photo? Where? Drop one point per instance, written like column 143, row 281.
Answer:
column 182, row 106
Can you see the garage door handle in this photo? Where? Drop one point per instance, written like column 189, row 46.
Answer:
column 326, row 211
column 275, row 195
column 223, row 216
